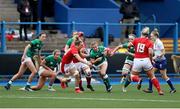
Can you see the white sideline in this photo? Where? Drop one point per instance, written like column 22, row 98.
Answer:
column 94, row 99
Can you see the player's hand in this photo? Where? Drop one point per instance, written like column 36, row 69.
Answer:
column 111, row 54
column 35, row 57
column 99, row 59
column 153, row 62
column 108, row 52
column 127, row 53
column 89, row 64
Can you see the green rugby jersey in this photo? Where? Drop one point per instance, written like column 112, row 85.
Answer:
column 69, row 42
column 131, row 50
column 51, row 62
column 97, row 54
column 35, row 46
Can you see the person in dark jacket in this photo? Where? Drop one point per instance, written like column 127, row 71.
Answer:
column 130, row 14
column 34, row 9
column 25, row 14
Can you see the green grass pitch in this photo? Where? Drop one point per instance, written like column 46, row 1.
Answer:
column 67, row 98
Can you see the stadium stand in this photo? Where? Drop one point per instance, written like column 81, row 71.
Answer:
column 53, row 42
column 168, row 44
column 8, row 10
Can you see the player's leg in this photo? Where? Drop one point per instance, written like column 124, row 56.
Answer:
column 165, row 77
column 33, row 70
column 137, row 67
column 125, row 77
column 41, row 82
column 71, row 70
column 135, row 78
column 80, row 82
column 126, row 83
column 125, row 71
column 150, row 88
column 163, row 71
column 88, row 75
column 52, row 76
column 65, row 71
column 21, row 71
column 65, row 80
column 74, row 72
column 51, row 82
column 78, row 66
column 103, row 69
column 154, row 81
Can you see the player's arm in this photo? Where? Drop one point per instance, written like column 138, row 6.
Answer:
column 107, row 52
column 82, row 60
column 83, row 53
column 37, row 60
column 151, row 54
column 129, row 53
column 161, row 46
column 66, row 48
column 117, row 48
column 25, row 51
column 39, row 56
column 122, row 46
column 39, row 53
column 150, row 50
column 93, row 61
column 43, row 64
column 162, row 50
column 68, row 45
column 162, row 53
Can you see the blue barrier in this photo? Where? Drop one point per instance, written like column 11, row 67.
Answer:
column 93, row 4
column 106, row 38
column 3, row 38
column 175, row 41
column 92, row 11
column 75, row 24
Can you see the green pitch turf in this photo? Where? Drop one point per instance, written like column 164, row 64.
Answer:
column 133, row 98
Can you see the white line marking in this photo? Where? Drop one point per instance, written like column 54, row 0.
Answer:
column 93, row 99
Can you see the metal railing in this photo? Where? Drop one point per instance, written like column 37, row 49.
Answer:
column 74, row 24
